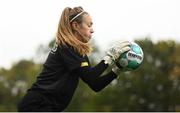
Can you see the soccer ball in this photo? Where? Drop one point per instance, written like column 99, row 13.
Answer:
column 131, row 59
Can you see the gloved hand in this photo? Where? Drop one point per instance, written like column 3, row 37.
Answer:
column 114, row 52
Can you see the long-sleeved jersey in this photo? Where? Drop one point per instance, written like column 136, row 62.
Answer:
column 61, row 73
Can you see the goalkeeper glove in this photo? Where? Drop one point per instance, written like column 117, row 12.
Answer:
column 114, row 52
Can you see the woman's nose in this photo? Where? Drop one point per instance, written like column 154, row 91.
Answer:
column 92, row 31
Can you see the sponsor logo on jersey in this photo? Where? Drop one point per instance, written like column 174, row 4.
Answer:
column 83, row 64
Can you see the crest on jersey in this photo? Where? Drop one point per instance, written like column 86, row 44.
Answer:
column 54, row 49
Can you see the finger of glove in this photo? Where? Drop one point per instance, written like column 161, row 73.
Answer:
column 113, row 55
column 123, row 44
column 119, row 45
column 109, row 53
column 124, row 49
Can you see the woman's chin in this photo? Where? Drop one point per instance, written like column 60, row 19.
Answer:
column 87, row 39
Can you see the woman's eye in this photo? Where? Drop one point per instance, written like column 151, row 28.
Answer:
column 89, row 25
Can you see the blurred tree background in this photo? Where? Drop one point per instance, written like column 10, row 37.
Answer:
column 154, row 86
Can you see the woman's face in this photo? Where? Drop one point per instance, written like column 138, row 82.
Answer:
column 85, row 28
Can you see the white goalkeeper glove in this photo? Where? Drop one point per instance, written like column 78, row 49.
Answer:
column 114, row 52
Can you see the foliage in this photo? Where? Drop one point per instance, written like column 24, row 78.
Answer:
column 15, row 81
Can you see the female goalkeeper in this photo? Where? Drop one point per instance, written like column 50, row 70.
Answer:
column 67, row 62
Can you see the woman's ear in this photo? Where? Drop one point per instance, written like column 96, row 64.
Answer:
column 75, row 26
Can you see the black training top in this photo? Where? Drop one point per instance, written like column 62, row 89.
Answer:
column 61, row 72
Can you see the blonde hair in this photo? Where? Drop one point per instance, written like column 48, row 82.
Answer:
column 65, row 35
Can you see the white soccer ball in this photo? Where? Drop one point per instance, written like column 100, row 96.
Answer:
column 131, row 59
